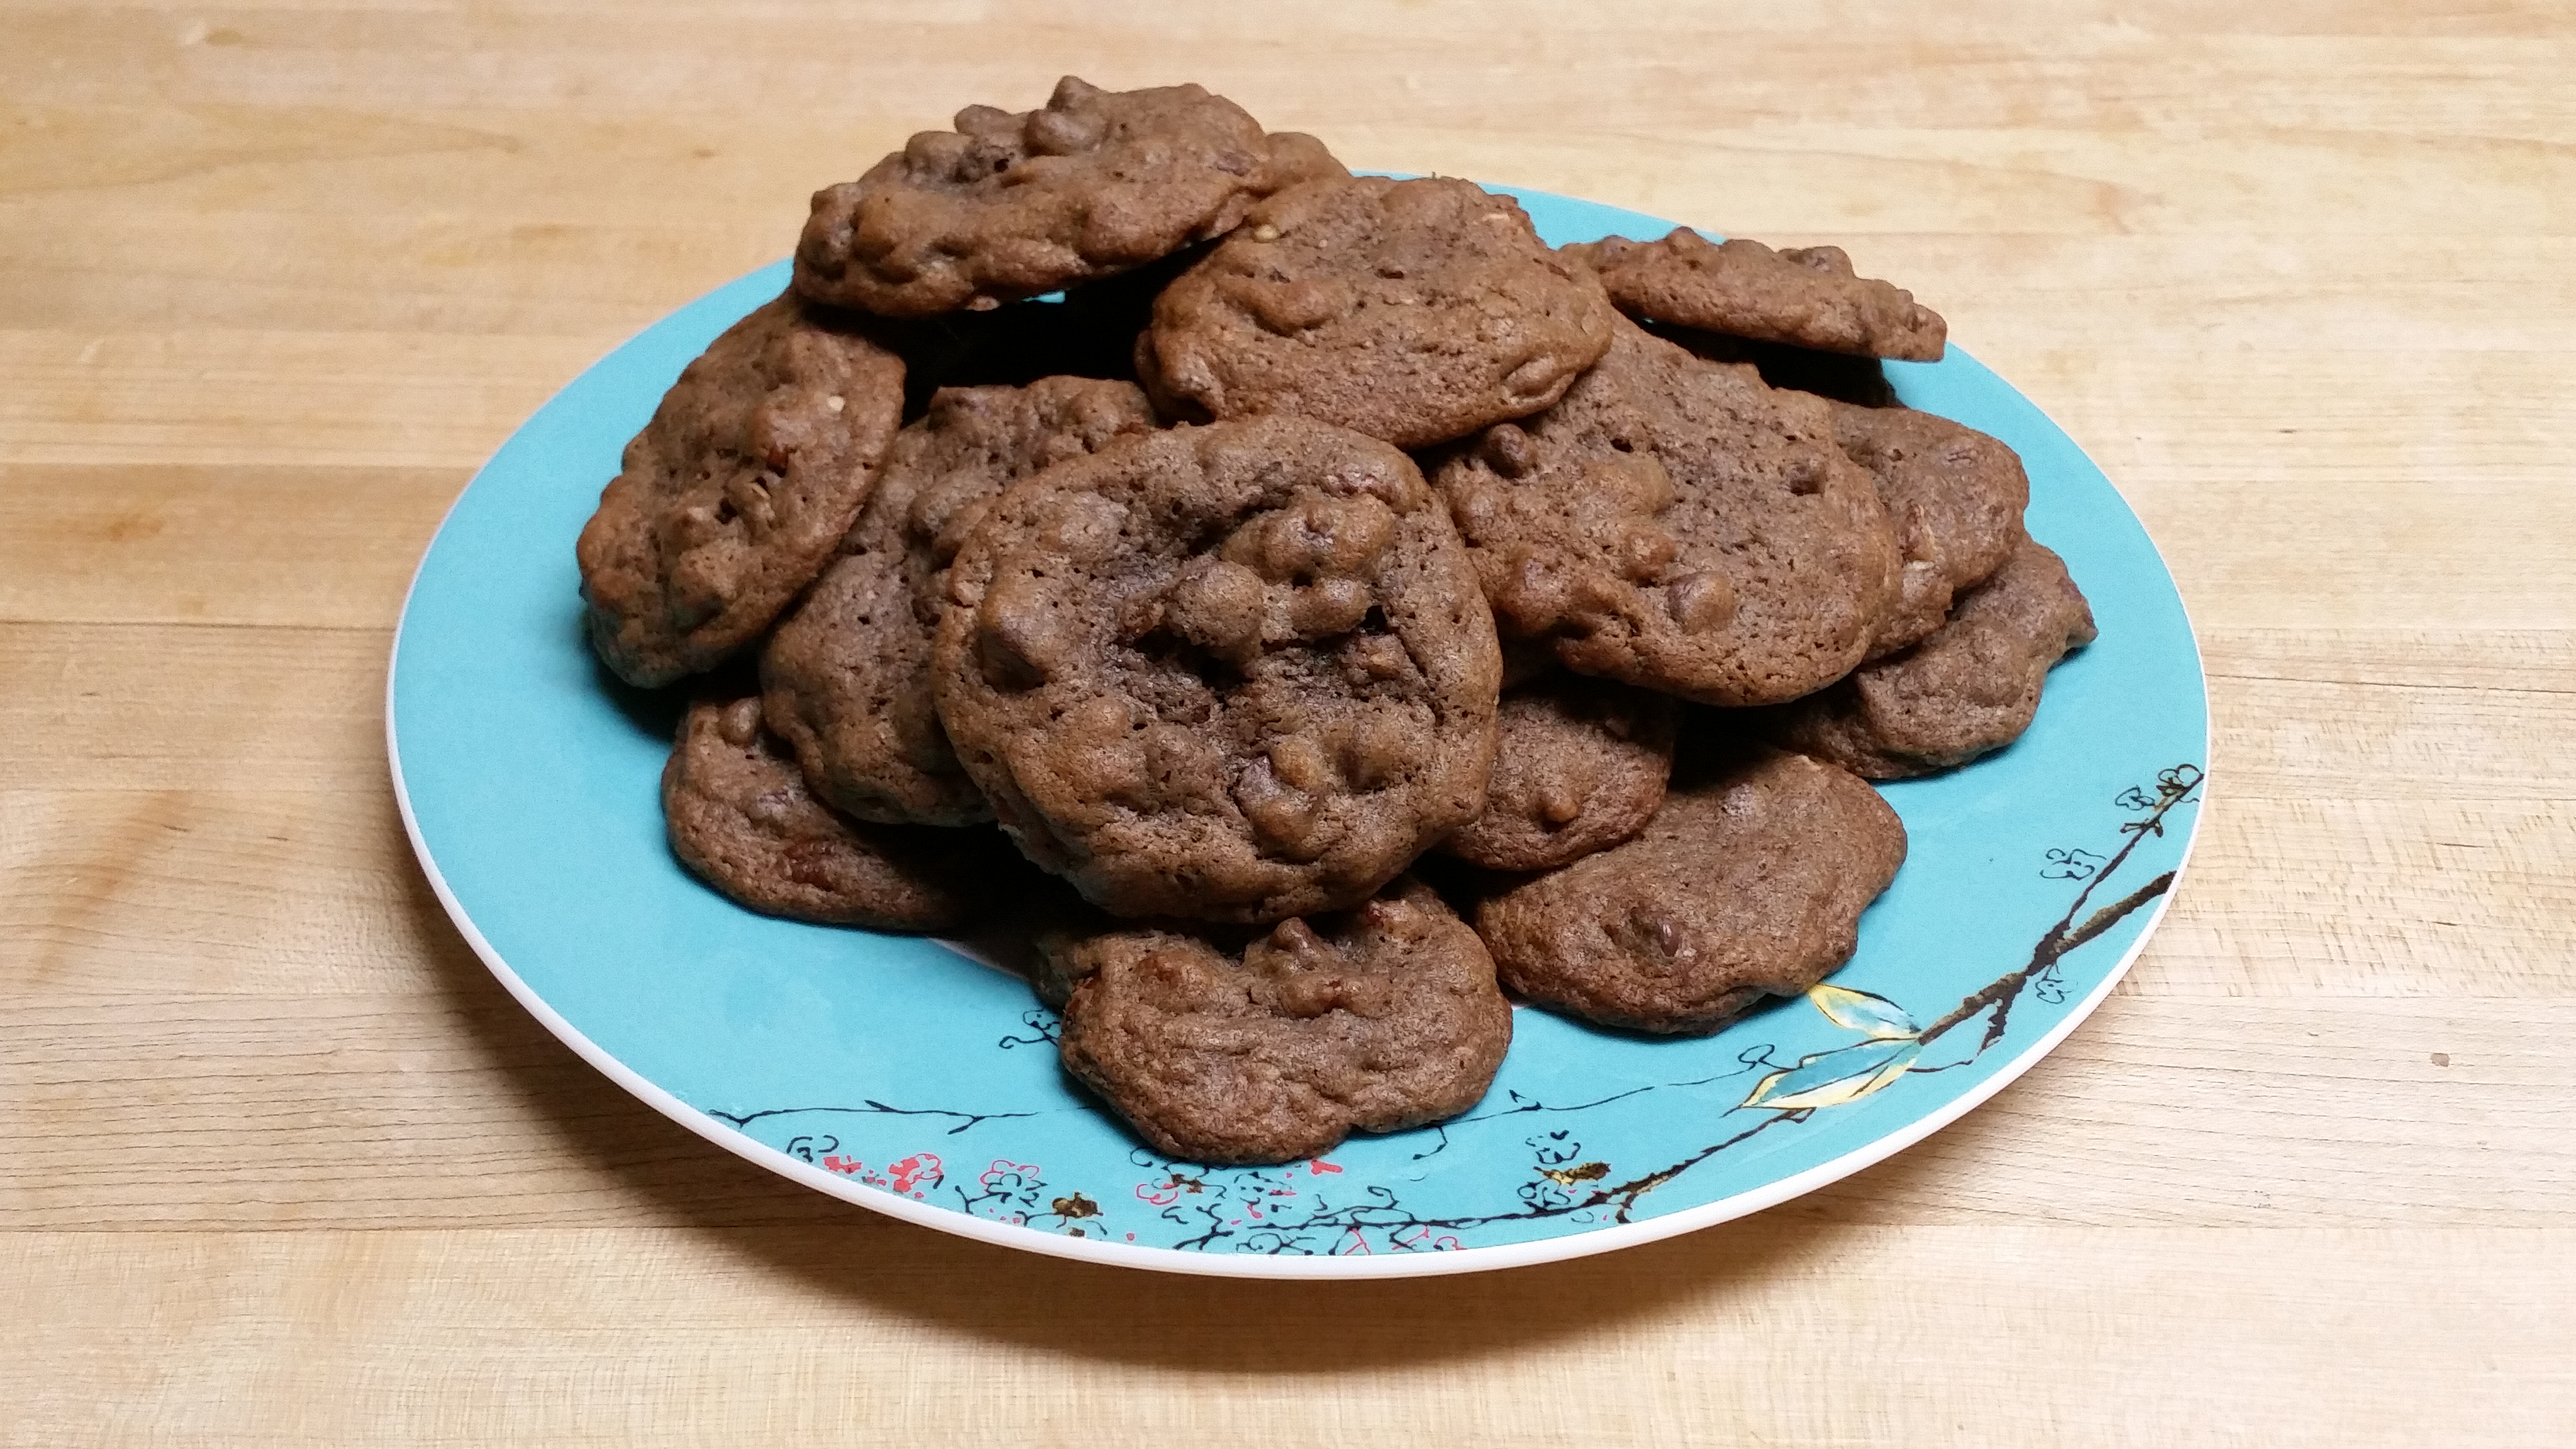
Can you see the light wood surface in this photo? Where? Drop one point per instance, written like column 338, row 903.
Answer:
column 284, row 1166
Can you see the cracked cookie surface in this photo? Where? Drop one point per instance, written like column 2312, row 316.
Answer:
column 1681, row 526
column 1579, row 765
column 846, row 679
column 1234, row 672
column 1969, row 689
column 1955, row 498
column 1010, row 205
column 1803, row 296
column 1414, row 311
column 1382, row 1018
column 740, row 818
column 1749, row 882
column 736, row 493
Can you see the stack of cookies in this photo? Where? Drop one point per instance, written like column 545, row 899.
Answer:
column 1311, row 605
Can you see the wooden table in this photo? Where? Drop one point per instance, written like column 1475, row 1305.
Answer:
column 284, row 1166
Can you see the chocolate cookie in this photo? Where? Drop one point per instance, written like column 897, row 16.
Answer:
column 1677, row 524
column 1385, row 1019
column 1806, row 296
column 741, row 820
column 846, row 680
column 733, row 497
column 1971, row 688
column 1414, row 311
column 1008, row 206
column 1749, row 882
column 1955, row 497
column 1236, row 672
column 1579, row 765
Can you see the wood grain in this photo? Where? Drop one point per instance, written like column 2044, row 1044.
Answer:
column 1967, row 1336
column 287, row 1167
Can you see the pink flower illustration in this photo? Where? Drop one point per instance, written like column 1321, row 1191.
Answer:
column 1005, row 1175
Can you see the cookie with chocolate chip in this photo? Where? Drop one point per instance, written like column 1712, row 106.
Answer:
column 1955, row 497
column 1579, row 765
column 1803, row 296
column 1414, row 311
column 1014, row 205
column 1378, row 1019
column 1749, row 882
column 1681, row 526
column 1236, row 672
column 846, row 680
column 736, row 493
column 1969, row 689
column 741, row 820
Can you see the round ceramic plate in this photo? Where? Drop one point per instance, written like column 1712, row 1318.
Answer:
column 906, row 1077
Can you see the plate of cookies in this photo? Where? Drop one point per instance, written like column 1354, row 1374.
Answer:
column 1148, row 698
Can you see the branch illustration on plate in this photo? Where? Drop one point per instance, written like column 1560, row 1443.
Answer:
column 1892, row 1045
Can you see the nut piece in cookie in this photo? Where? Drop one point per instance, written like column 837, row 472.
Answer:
column 1009, row 206
column 736, row 493
column 1579, row 765
column 1804, row 296
column 1414, row 311
column 1955, row 497
column 1679, row 525
column 846, row 680
column 1384, row 1019
column 1749, row 882
column 1971, row 688
column 1236, row 672
column 740, row 819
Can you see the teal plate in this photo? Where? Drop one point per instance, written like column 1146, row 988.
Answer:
column 903, row 1076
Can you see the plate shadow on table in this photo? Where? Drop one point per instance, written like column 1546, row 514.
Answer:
column 1083, row 1311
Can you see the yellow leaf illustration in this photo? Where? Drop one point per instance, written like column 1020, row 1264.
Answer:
column 1861, row 1011
column 1831, row 1079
